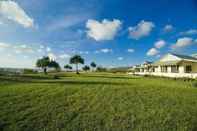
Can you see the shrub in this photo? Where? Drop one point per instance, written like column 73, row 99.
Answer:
column 30, row 71
column 56, row 77
column 194, row 84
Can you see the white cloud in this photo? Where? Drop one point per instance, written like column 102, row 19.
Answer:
column 168, row 28
column 40, row 50
column 25, row 57
column 120, row 58
column 4, row 45
column 130, row 50
column 97, row 52
column 182, row 42
column 152, row 52
column 143, row 29
column 15, row 61
column 106, row 50
column 16, row 48
column 67, row 21
column 13, row 55
column 159, row 44
column 23, row 49
column 41, row 47
column 189, row 32
column 12, row 11
column 52, row 56
column 64, row 56
column 1, row 23
column 84, row 52
column 105, row 30
column 48, row 49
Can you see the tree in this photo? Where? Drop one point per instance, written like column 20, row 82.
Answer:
column 77, row 59
column 93, row 65
column 68, row 67
column 43, row 63
column 101, row 69
column 86, row 68
column 54, row 64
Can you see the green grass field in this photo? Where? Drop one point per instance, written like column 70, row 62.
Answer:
column 96, row 102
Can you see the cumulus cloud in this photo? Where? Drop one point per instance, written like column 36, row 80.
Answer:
column 12, row 11
column 152, row 52
column 130, row 50
column 143, row 29
column 168, row 28
column 189, row 32
column 182, row 42
column 52, row 56
column 159, row 44
column 105, row 30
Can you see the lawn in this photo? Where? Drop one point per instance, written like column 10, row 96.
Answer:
column 96, row 102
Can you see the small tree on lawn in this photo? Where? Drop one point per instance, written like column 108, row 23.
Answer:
column 68, row 67
column 77, row 59
column 93, row 65
column 54, row 64
column 86, row 68
column 43, row 63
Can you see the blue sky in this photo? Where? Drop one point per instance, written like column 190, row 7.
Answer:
column 111, row 33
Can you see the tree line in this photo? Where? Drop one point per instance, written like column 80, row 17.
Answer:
column 45, row 63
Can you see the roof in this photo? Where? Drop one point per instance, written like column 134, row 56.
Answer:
column 185, row 57
column 166, row 63
column 147, row 62
column 175, row 62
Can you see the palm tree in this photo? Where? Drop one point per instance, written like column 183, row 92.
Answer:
column 86, row 68
column 77, row 59
column 93, row 65
column 43, row 63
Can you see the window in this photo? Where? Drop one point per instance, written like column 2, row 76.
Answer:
column 188, row 69
column 164, row 69
column 153, row 69
column 175, row 69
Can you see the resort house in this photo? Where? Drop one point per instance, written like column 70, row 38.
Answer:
column 170, row 65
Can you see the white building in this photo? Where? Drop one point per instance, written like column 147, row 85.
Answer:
column 171, row 65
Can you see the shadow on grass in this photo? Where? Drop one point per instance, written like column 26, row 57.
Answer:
column 84, row 82
column 9, row 81
column 110, row 77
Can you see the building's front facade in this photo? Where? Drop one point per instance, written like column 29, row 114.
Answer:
column 171, row 65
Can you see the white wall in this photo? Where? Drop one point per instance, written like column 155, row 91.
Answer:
column 173, row 75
